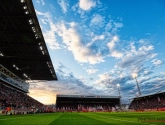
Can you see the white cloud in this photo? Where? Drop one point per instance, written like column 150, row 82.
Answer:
column 72, row 39
column 91, row 71
column 162, row 73
column 133, row 58
column 153, row 55
column 86, row 4
column 157, row 62
column 109, row 25
column 97, row 20
column 43, row 21
column 111, row 44
column 95, row 38
column 64, row 5
column 104, row 78
column 146, row 72
column 141, row 41
column 43, row 14
column 49, row 35
column 40, row 2
column 51, row 40
column 86, row 45
column 131, row 91
column 107, row 82
column 116, row 54
column 146, row 48
column 82, row 79
column 101, row 37
column 118, row 25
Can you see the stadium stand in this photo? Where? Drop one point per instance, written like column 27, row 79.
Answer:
column 86, row 103
column 149, row 102
column 24, row 57
column 17, row 100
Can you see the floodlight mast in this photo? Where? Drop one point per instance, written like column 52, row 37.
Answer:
column 118, row 87
column 134, row 75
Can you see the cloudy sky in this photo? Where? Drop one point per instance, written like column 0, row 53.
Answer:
column 96, row 44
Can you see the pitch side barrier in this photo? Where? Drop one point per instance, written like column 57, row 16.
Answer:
column 10, row 111
column 146, row 110
column 18, row 111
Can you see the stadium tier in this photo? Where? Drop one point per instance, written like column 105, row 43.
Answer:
column 88, row 103
column 14, row 99
column 24, row 56
column 149, row 102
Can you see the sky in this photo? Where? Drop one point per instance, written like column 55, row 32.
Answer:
column 96, row 44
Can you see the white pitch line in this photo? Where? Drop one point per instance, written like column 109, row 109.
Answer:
column 11, row 118
column 128, row 121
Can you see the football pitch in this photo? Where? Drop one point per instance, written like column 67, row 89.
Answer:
column 137, row 118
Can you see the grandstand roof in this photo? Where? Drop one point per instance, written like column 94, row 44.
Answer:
column 86, row 96
column 22, row 46
column 65, row 99
column 150, row 94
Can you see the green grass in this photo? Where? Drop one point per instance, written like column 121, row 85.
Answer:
column 83, row 119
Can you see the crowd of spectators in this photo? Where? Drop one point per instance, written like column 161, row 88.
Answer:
column 17, row 100
column 149, row 102
column 87, row 107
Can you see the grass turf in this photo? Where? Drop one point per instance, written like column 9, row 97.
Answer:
column 85, row 119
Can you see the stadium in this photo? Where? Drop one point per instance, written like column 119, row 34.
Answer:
column 24, row 57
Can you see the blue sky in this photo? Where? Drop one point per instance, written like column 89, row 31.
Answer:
column 97, row 44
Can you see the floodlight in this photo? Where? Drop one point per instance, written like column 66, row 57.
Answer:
column 41, row 48
column 25, row 7
column 27, row 12
column 22, row 1
column 25, row 75
column 30, row 21
column 118, row 85
column 1, row 54
column 134, row 75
